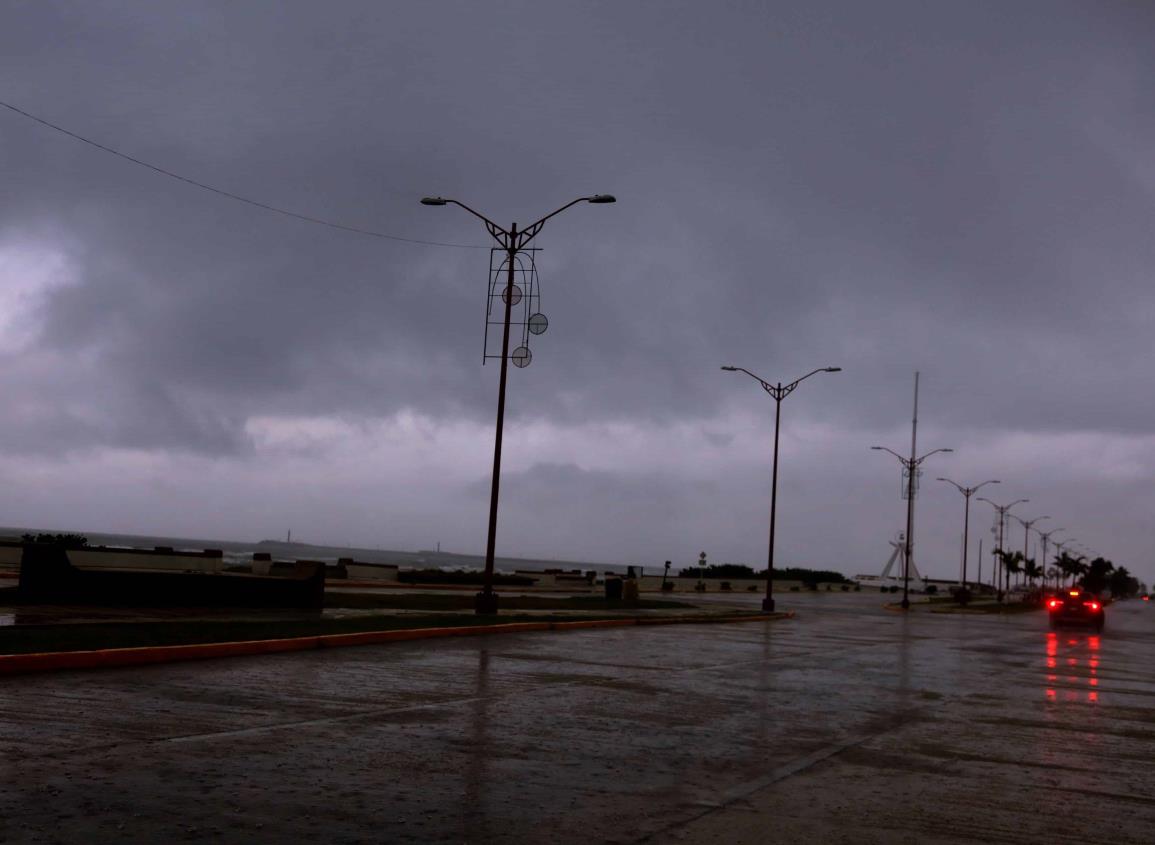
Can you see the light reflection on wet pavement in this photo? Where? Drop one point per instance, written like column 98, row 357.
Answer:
column 848, row 724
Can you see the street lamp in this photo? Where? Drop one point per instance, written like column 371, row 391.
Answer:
column 511, row 241
column 1002, row 511
column 779, row 392
column 1045, row 536
column 911, row 465
column 967, row 493
column 1027, row 523
column 1062, row 546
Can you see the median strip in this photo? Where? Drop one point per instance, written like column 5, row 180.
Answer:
column 19, row 664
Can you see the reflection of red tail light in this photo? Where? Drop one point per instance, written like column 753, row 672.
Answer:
column 1146, row 598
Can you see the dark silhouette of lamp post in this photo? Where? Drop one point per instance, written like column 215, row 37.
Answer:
column 1062, row 546
column 1002, row 511
column 1027, row 524
column 779, row 392
column 1046, row 536
column 967, row 493
column 911, row 466
column 511, row 241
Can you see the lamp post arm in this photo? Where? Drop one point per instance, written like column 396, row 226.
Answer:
column 767, row 386
column 903, row 460
column 534, row 227
column 928, row 454
column 493, row 228
column 1028, row 523
column 977, row 487
column 966, row 491
column 796, row 381
column 527, row 234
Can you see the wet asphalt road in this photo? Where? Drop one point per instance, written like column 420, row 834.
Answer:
column 847, row 724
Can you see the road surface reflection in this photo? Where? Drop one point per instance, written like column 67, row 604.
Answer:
column 1072, row 667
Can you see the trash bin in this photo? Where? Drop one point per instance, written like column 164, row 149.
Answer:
column 613, row 589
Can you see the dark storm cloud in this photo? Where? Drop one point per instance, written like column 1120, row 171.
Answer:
column 961, row 188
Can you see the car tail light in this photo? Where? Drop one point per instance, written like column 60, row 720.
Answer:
column 1054, row 603
column 1094, row 605
column 1073, row 593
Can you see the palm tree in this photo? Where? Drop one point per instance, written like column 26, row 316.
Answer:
column 1053, row 573
column 1012, row 564
column 1071, row 567
column 1032, row 570
column 1081, row 568
column 1121, row 583
column 1097, row 574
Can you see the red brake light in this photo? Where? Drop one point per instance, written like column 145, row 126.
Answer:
column 1094, row 605
column 1053, row 603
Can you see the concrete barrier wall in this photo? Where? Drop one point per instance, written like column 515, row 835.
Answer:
column 211, row 560
column 262, row 563
column 653, row 583
column 10, row 555
column 566, row 579
column 360, row 571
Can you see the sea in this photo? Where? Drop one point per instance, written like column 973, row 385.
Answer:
column 239, row 553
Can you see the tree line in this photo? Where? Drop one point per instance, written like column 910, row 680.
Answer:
column 1094, row 576
column 741, row 570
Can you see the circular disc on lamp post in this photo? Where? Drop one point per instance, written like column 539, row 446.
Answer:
column 521, row 357
column 538, row 323
column 511, row 294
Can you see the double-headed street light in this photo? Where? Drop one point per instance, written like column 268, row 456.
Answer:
column 967, row 493
column 779, row 391
column 1061, row 547
column 1027, row 524
column 511, row 241
column 1067, row 545
column 1070, row 547
column 1002, row 512
column 1045, row 536
column 911, row 466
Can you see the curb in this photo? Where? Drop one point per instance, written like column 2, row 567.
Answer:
column 22, row 664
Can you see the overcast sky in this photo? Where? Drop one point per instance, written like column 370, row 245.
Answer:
column 965, row 189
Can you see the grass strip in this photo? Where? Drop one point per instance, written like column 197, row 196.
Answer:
column 31, row 639
column 338, row 598
column 988, row 608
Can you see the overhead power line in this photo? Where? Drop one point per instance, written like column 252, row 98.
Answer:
column 229, row 194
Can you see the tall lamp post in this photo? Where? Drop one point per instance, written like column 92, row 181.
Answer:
column 1070, row 548
column 911, row 466
column 511, row 241
column 1045, row 536
column 967, row 493
column 1027, row 524
column 779, row 392
column 1002, row 511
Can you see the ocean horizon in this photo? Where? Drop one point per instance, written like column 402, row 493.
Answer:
column 237, row 552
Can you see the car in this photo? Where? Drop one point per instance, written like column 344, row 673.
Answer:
column 1075, row 607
